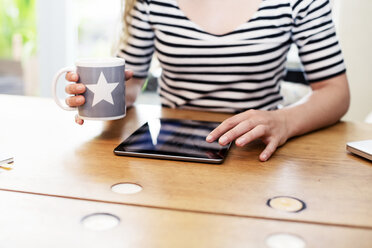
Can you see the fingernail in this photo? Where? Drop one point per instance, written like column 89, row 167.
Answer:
column 209, row 138
column 79, row 87
column 223, row 140
column 240, row 141
column 264, row 157
column 74, row 77
column 80, row 100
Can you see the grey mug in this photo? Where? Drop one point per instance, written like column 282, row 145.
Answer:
column 104, row 80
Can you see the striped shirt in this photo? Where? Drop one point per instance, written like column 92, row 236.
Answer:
column 236, row 71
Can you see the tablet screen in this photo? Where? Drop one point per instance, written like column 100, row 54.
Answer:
column 174, row 139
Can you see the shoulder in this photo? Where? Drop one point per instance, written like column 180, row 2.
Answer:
column 158, row 3
column 301, row 8
column 303, row 5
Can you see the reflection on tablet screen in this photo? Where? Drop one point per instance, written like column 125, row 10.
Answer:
column 172, row 138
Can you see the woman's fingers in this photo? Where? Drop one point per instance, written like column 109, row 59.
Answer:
column 225, row 126
column 249, row 126
column 257, row 132
column 75, row 89
column 237, row 131
column 75, row 101
column 78, row 120
column 72, row 77
column 269, row 150
column 128, row 74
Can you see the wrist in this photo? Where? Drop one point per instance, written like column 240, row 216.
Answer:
column 287, row 123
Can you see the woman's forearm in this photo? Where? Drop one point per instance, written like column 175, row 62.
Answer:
column 328, row 102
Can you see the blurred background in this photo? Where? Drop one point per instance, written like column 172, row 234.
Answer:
column 38, row 37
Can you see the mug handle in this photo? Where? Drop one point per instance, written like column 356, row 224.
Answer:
column 54, row 90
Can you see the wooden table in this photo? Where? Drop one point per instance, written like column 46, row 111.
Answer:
column 56, row 157
column 43, row 221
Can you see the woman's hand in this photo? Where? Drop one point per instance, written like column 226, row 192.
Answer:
column 269, row 126
column 327, row 103
column 77, row 89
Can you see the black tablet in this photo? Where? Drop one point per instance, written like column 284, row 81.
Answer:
column 174, row 139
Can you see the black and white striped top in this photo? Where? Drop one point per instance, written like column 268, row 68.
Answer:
column 236, row 71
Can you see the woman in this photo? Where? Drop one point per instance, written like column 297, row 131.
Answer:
column 229, row 56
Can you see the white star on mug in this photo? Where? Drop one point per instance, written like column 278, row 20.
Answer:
column 102, row 90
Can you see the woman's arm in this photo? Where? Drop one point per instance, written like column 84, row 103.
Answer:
column 328, row 102
column 326, row 105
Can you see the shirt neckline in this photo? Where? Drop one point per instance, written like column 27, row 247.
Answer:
column 237, row 28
